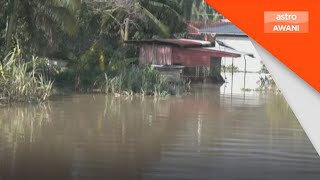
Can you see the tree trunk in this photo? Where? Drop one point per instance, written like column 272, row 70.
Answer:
column 12, row 25
column 187, row 9
column 126, row 29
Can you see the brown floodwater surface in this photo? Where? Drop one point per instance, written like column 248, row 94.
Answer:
column 208, row 134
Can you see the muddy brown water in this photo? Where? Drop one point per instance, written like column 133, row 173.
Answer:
column 208, row 134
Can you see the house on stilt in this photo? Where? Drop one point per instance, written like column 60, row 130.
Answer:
column 184, row 58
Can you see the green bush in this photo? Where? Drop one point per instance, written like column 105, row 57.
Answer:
column 230, row 68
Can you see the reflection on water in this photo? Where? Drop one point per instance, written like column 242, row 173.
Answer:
column 208, row 134
column 244, row 83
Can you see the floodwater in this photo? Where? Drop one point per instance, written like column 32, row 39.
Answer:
column 211, row 133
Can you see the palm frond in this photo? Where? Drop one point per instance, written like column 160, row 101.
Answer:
column 168, row 7
column 164, row 29
column 59, row 14
column 72, row 5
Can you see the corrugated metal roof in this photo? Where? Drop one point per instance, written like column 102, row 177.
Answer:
column 224, row 29
column 231, row 49
column 184, row 43
column 206, row 24
column 198, row 47
column 217, row 52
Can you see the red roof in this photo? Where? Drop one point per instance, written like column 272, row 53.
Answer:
column 192, row 57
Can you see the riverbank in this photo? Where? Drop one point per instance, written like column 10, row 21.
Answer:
column 30, row 81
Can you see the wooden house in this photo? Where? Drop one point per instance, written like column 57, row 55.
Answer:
column 199, row 59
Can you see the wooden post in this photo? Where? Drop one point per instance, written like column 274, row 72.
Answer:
column 232, row 67
column 232, row 81
column 245, row 76
column 245, row 64
column 215, row 69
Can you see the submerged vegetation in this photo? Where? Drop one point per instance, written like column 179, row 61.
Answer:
column 145, row 81
column 230, row 68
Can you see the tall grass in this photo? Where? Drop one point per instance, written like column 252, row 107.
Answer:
column 23, row 81
column 144, row 81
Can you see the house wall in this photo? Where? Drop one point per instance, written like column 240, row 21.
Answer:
column 199, row 64
column 167, row 55
column 155, row 54
column 189, row 58
column 172, row 75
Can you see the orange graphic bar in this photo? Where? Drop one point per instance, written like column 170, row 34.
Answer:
column 295, row 47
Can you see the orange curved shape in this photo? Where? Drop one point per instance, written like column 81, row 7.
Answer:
column 298, row 51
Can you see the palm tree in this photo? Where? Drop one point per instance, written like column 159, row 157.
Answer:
column 187, row 6
column 158, row 12
column 12, row 6
column 3, row 5
column 198, row 10
column 40, row 14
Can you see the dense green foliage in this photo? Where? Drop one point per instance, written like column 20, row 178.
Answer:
column 89, row 35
